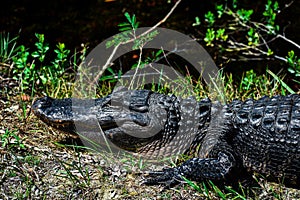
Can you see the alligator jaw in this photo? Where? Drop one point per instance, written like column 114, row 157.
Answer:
column 59, row 117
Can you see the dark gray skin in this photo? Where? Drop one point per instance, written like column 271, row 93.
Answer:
column 260, row 136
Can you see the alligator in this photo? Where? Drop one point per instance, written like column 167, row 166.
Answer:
column 260, row 136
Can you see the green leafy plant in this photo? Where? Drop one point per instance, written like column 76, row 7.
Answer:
column 10, row 139
column 59, row 64
column 209, row 18
column 294, row 63
column 253, row 38
column 34, row 71
column 197, row 21
column 244, row 15
column 41, row 46
column 220, row 10
column 221, row 34
column 131, row 23
column 237, row 37
column 22, row 70
column 270, row 15
column 250, row 79
column 128, row 33
column 209, row 37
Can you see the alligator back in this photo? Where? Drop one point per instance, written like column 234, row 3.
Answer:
column 266, row 135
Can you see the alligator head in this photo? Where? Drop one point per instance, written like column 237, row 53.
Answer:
column 134, row 120
column 125, row 117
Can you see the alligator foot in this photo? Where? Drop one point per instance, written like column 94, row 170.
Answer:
column 195, row 169
column 167, row 177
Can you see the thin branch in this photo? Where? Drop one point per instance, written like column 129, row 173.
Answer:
column 131, row 40
column 161, row 21
column 288, row 40
column 137, row 68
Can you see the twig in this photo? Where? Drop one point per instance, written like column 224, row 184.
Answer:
column 131, row 40
column 288, row 40
column 137, row 68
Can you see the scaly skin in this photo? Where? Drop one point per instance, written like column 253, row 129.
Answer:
column 261, row 136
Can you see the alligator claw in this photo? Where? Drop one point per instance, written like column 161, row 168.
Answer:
column 167, row 177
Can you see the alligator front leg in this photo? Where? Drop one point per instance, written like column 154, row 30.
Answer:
column 195, row 169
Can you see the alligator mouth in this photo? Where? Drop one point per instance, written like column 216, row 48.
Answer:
column 54, row 113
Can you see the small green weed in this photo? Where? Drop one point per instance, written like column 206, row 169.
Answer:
column 8, row 47
column 209, row 37
column 211, row 191
column 32, row 160
column 36, row 73
column 294, row 63
column 244, row 15
column 254, row 86
column 42, row 48
column 82, row 179
column 209, row 18
column 270, row 13
column 33, row 74
column 11, row 140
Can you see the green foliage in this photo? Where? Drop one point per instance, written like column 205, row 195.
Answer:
column 253, row 37
column 127, row 31
column 210, row 18
column 234, row 33
column 41, row 46
column 294, row 63
column 20, row 59
column 22, row 70
column 10, row 140
column 111, row 76
column 270, row 52
column 34, row 72
column 220, row 10
column 197, row 21
column 8, row 47
column 244, row 15
column 270, row 15
column 127, row 35
column 132, row 24
column 118, row 39
column 209, row 37
column 152, row 58
column 211, row 191
column 250, row 80
column 283, row 84
column 234, row 4
column 61, row 56
column 221, row 34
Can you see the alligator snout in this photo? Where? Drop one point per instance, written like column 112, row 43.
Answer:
column 55, row 112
